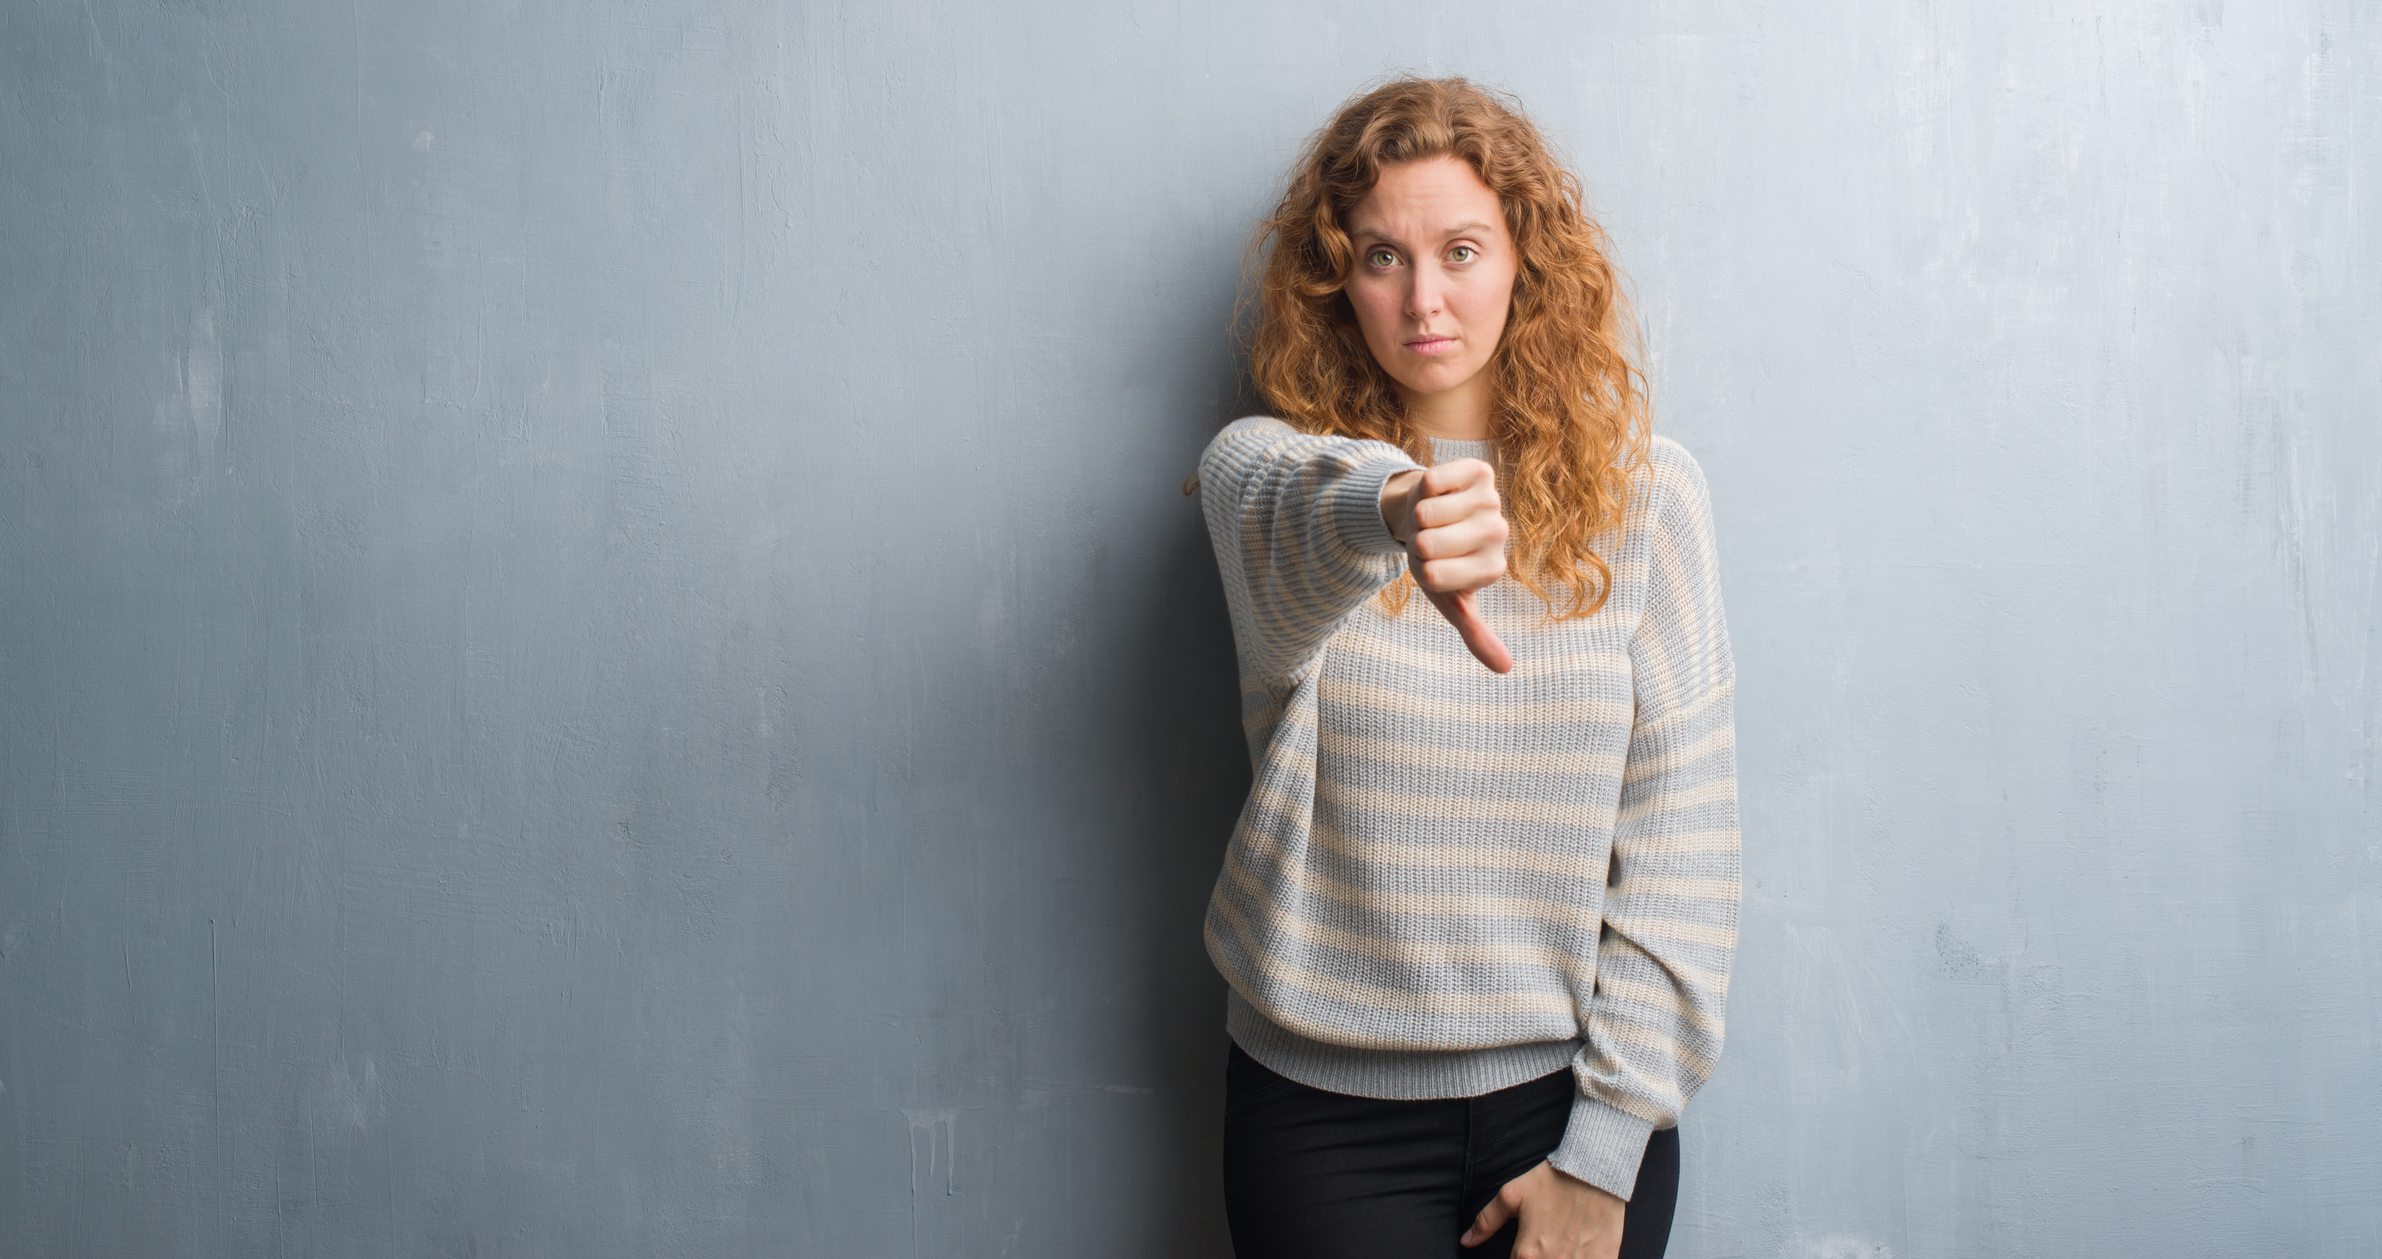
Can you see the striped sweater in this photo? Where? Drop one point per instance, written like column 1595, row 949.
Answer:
column 1446, row 882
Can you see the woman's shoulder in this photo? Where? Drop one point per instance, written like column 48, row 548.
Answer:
column 1254, row 438
column 1247, row 431
column 1259, row 424
column 1668, row 481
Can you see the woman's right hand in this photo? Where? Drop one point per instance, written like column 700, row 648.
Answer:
column 1448, row 519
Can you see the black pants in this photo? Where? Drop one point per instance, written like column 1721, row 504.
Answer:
column 1317, row 1175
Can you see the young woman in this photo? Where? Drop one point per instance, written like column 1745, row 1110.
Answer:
column 1478, row 913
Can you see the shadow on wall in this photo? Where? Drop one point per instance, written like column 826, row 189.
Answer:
column 1184, row 709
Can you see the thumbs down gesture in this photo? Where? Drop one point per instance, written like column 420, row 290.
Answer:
column 1448, row 520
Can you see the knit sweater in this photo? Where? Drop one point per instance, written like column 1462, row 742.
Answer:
column 1447, row 881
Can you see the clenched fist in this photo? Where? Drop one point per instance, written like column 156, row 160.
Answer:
column 1447, row 517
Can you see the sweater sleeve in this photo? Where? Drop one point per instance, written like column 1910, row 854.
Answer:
column 1296, row 523
column 1670, row 909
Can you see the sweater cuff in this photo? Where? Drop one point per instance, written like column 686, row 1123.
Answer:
column 1602, row 1145
column 1356, row 506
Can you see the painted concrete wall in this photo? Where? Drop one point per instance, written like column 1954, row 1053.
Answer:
column 599, row 654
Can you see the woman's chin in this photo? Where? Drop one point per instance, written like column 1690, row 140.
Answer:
column 1435, row 378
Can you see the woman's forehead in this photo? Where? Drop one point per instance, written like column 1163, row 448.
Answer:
column 1433, row 198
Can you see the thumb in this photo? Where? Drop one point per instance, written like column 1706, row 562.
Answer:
column 1485, row 646
column 1485, row 1225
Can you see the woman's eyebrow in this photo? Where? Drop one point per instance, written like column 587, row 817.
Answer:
column 1460, row 229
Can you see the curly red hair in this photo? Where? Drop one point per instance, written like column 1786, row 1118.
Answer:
column 1571, row 417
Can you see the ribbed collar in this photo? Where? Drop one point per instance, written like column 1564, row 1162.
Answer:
column 1443, row 450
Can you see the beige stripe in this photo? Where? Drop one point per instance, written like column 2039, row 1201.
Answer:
column 1422, row 856
column 1713, row 743
column 1661, row 671
column 1640, row 928
column 1626, row 994
column 1647, row 1090
column 1298, row 717
column 1391, row 853
column 1439, row 904
column 1492, row 714
column 1619, row 957
column 1673, row 888
column 1605, row 1032
column 1274, row 805
column 1660, row 843
column 1667, row 998
column 1578, row 764
column 1688, row 712
column 1699, row 635
column 1717, row 791
column 1618, row 954
column 1556, row 812
column 1352, row 992
column 1460, row 664
column 1664, row 1096
column 1673, row 478
column 1688, row 977
column 1492, row 858
column 1581, row 971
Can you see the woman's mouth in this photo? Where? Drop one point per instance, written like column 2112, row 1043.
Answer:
column 1431, row 345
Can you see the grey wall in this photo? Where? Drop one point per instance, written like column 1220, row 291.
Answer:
column 600, row 655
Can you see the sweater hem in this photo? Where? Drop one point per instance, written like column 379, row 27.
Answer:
column 1390, row 1074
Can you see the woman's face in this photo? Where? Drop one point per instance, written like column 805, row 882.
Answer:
column 1433, row 281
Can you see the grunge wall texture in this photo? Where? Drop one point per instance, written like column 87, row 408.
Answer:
column 600, row 654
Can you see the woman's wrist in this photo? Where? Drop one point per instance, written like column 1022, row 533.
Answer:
column 1397, row 504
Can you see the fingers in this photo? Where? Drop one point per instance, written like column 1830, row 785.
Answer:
column 1482, row 533
column 1493, row 1216
column 1454, row 491
column 1463, row 575
column 1397, row 504
column 1458, row 547
column 1479, row 639
column 1459, row 534
column 1457, row 474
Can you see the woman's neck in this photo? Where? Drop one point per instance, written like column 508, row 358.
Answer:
column 1460, row 414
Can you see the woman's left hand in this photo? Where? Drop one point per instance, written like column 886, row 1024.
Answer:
column 1562, row 1217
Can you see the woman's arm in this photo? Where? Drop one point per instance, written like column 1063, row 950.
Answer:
column 1670, row 915
column 1670, row 910
column 1297, row 523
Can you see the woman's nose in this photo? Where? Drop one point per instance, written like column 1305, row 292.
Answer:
column 1422, row 296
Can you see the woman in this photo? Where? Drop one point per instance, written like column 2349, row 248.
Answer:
column 1478, row 913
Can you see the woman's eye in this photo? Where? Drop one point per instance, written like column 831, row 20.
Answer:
column 1382, row 258
column 1462, row 253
